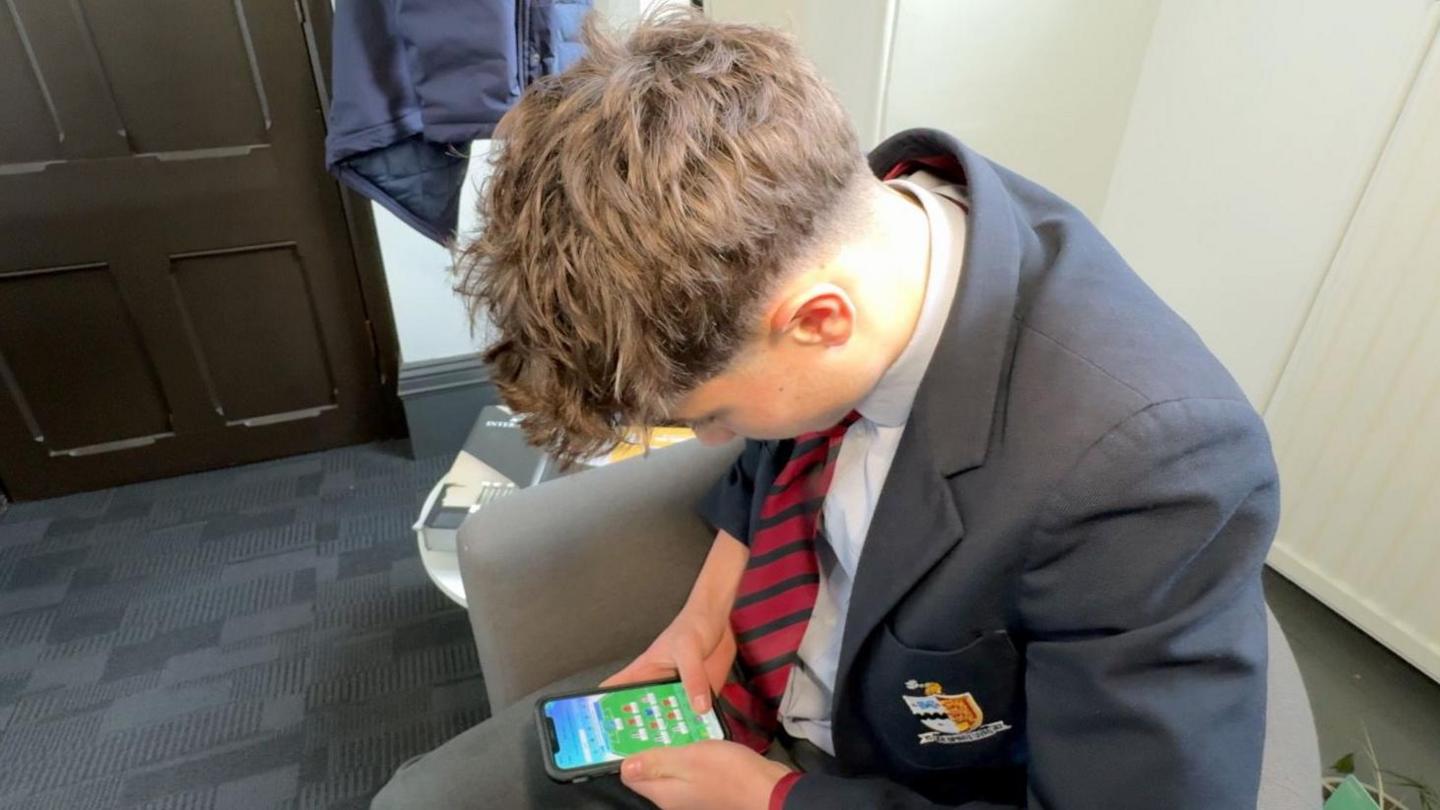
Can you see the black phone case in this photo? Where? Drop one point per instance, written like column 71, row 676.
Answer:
column 548, row 742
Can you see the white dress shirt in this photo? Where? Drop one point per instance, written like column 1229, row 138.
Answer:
column 863, row 464
column 864, row 461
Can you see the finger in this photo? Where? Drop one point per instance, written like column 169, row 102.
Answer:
column 663, row 793
column 691, row 663
column 657, row 763
column 719, row 662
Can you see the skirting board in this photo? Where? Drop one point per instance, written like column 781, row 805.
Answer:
column 441, row 398
column 1360, row 612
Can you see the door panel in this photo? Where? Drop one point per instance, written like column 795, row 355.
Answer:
column 27, row 130
column 251, row 316
column 61, row 314
column 168, row 110
column 177, row 285
column 75, row 85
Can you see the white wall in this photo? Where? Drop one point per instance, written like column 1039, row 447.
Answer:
column 847, row 41
column 1254, row 129
column 1356, row 416
column 429, row 317
column 618, row 11
column 621, row 12
column 1042, row 87
column 1222, row 145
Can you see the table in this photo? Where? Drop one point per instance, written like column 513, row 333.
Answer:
column 460, row 486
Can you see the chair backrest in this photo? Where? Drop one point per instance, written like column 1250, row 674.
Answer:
column 1290, row 771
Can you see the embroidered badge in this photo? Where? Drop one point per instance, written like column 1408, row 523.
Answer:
column 951, row 718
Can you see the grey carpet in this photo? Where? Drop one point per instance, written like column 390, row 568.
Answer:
column 257, row 637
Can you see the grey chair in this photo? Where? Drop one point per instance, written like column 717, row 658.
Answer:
column 587, row 569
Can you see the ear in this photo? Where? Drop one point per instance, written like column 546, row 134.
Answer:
column 821, row 315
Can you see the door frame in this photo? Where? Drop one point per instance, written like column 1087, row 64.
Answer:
column 316, row 18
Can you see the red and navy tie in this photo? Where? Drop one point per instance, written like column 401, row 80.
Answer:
column 778, row 587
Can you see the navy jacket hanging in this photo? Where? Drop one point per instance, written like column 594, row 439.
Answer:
column 415, row 81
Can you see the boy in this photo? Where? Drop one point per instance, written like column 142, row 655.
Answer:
column 995, row 536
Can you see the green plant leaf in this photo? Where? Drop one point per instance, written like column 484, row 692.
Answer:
column 1428, row 797
column 1345, row 765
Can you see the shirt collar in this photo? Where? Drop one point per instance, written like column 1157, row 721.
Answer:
column 888, row 404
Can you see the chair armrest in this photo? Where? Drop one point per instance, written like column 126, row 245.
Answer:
column 584, row 569
column 1290, row 769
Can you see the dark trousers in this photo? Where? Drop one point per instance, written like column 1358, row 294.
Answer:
column 497, row 764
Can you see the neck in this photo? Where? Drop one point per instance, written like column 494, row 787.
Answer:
column 895, row 271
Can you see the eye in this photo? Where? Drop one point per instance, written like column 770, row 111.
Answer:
column 705, row 421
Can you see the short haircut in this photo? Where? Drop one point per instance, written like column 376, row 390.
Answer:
column 641, row 207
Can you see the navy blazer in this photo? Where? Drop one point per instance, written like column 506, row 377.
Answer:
column 1058, row 604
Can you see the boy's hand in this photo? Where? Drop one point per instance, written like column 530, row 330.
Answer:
column 698, row 649
column 711, row 775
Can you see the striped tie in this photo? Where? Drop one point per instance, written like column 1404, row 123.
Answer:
column 778, row 588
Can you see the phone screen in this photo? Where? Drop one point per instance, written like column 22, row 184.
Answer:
column 609, row 726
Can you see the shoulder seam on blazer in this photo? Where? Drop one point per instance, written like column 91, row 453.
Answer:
column 1062, row 484
column 1082, row 358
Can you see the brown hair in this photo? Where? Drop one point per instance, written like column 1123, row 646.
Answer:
column 641, row 205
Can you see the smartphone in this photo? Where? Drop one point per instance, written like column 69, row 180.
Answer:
column 585, row 734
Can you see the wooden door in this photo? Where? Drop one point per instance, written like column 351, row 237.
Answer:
column 177, row 286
